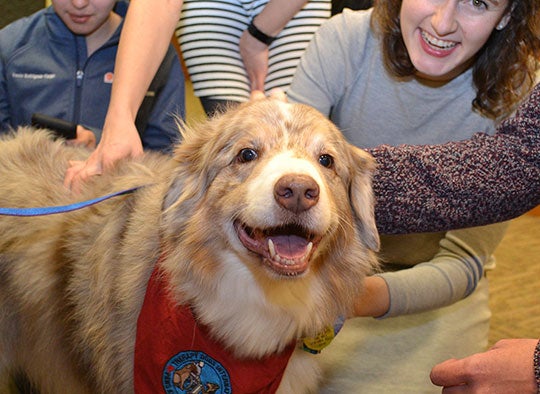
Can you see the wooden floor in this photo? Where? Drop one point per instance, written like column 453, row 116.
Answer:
column 515, row 282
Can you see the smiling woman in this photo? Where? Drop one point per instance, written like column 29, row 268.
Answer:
column 442, row 39
column 419, row 72
column 497, row 39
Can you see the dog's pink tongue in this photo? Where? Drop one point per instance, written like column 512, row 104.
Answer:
column 290, row 246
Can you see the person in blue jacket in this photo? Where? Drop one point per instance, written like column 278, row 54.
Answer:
column 59, row 62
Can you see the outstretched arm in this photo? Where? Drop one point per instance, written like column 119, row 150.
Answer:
column 451, row 275
column 482, row 180
column 146, row 35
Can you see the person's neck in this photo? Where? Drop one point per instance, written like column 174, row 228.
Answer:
column 436, row 82
column 99, row 37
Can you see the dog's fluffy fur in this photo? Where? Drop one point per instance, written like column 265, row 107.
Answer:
column 72, row 284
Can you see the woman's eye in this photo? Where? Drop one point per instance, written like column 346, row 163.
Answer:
column 326, row 161
column 479, row 4
column 247, row 154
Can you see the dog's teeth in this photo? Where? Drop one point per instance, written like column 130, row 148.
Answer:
column 271, row 248
column 308, row 249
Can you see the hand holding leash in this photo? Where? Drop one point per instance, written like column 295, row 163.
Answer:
column 85, row 138
column 74, row 134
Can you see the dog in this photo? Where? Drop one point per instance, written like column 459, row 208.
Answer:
column 257, row 232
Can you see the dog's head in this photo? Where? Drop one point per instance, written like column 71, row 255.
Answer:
column 274, row 190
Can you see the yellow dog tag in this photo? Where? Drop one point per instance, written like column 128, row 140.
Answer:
column 323, row 339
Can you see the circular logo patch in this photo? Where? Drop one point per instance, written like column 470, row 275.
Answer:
column 195, row 372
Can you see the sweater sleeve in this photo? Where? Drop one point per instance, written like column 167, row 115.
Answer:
column 482, row 180
column 450, row 276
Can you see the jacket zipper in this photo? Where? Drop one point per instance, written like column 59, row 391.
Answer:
column 79, row 76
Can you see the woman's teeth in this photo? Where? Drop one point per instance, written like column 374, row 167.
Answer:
column 433, row 41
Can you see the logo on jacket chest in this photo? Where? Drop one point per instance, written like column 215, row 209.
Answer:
column 34, row 76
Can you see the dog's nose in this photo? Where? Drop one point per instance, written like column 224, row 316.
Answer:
column 296, row 193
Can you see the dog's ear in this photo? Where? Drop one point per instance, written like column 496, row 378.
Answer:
column 185, row 190
column 198, row 161
column 361, row 196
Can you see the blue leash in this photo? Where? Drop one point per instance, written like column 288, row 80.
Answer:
column 61, row 208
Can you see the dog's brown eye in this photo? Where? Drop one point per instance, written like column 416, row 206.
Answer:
column 247, row 154
column 326, row 160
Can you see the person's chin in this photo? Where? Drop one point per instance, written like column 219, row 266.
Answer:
column 435, row 69
column 80, row 30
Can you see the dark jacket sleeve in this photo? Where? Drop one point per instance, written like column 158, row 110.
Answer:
column 4, row 104
column 482, row 180
column 161, row 131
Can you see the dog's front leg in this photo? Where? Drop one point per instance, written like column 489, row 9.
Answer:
column 302, row 374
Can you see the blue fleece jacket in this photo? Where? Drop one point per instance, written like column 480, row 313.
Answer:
column 44, row 68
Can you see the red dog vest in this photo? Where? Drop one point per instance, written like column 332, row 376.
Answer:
column 174, row 354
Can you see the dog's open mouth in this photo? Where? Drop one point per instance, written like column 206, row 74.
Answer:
column 286, row 249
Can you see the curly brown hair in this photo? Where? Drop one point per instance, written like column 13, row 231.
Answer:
column 504, row 69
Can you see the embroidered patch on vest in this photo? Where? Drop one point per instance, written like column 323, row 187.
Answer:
column 195, row 372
